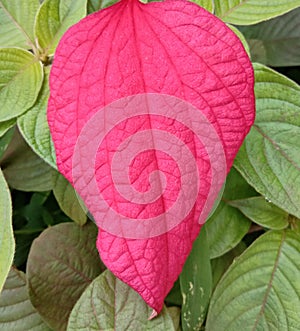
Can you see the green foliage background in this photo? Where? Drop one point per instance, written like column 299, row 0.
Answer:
column 244, row 270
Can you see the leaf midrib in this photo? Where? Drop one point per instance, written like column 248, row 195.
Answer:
column 276, row 146
column 266, row 296
column 19, row 27
column 232, row 9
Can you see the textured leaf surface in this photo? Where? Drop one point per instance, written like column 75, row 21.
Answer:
column 16, row 310
column 262, row 212
column 53, row 20
column 109, row 304
column 21, row 14
column 196, row 284
column 133, row 48
column 34, row 127
column 260, row 291
column 23, row 169
column 21, row 77
column 68, row 200
column 246, row 12
column 62, row 262
column 277, row 41
column 7, row 242
column 12, row 37
column 270, row 157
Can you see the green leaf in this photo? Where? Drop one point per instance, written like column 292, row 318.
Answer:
column 7, row 242
column 16, row 310
column 237, row 187
column 6, row 125
column 109, row 304
column 62, row 262
column 196, row 284
column 270, row 156
column 94, row 5
column 34, row 127
column 23, row 169
column 53, row 20
column 246, row 12
column 68, row 200
column 275, row 42
column 227, row 226
column 174, row 297
column 261, row 290
column 5, row 140
column 206, row 4
column 19, row 17
column 220, row 264
column 174, row 313
column 13, row 37
column 32, row 217
column 225, row 229
column 21, row 77
column 262, row 212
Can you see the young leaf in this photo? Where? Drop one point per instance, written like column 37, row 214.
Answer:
column 62, row 262
column 172, row 48
column 21, row 77
column 262, row 212
column 260, row 291
column 277, row 41
column 34, row 127
column 23, row 169
column 16, row 310
column 68, row 200
column 21, row 14
column 7, row 242
column 109, row 304
column 196, row 284
column 53, row 20
column 243, row 12
column 270, row 157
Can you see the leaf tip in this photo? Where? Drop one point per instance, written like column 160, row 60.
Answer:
column 153, row 315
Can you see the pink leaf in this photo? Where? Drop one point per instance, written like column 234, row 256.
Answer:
column 175, row 84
